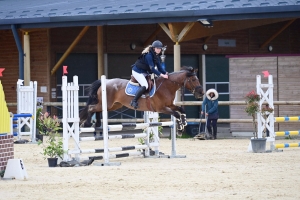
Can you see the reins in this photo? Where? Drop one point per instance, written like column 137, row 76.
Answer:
column 187, row 79
column 168, row 80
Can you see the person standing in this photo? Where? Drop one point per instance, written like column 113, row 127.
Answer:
column 210, row 108
column 145, row 65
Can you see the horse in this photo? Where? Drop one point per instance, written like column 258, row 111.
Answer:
column 161, row 101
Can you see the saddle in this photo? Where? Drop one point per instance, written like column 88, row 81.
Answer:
column 149, row 81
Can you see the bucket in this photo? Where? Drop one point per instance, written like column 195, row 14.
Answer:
column 258, row 145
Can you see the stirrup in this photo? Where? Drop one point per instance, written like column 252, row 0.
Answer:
column 134, row 104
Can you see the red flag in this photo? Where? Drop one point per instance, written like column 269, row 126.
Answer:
column 65, row 70
column 1, row 70
column 266, row 73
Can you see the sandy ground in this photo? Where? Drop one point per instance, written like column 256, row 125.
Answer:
column 219, row 169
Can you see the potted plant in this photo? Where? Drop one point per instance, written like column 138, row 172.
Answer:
column 52, row 148
column 252, row 108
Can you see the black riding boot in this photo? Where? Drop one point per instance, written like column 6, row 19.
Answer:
column 139, row 93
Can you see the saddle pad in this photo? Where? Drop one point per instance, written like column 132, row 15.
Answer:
column 132, row 88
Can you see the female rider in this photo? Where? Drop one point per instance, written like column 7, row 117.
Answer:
column 146, row 65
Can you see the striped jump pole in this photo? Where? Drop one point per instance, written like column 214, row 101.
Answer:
column 128, row 126
column 123, row 136
column 287, row 119
column 112, row 156
column 287, row 133
column 287, row 145
column 112, row 149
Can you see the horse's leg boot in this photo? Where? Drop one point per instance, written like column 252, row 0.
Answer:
column 139, row 93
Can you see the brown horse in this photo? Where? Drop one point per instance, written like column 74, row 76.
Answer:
column 161, row 102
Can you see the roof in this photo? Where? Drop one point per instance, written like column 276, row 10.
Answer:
column 63, row 13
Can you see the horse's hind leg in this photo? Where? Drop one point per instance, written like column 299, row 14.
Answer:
column 98, row 119
column 88, row 121
column 98, row 123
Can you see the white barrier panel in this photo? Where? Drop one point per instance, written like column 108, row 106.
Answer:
column 26, row 104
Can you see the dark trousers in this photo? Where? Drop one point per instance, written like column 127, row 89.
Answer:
column 212, row 123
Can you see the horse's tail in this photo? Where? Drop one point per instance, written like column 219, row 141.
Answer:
column 93, row 99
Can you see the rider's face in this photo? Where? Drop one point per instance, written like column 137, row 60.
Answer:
column 157, row 50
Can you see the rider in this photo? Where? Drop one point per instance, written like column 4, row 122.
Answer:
column 145, row 65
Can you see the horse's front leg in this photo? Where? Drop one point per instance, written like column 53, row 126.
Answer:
column 175, row 113
column 181, row 112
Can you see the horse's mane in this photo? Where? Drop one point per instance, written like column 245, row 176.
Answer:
column 190, row 71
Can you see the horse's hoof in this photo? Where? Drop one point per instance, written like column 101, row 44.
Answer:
column 180, row 128
column 179, row 133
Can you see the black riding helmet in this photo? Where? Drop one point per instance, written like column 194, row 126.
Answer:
column 157, row 44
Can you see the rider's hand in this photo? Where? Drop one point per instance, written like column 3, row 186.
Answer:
column 164, row 76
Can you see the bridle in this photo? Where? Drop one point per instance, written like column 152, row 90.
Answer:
column 193, row 87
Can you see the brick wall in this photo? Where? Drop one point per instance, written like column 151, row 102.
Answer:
column 6, row 150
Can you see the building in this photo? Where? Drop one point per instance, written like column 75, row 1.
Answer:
column 94, row 38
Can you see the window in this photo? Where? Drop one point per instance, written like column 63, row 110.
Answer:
column 221, row 87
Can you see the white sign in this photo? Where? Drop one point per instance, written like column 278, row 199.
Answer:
column 44, row 89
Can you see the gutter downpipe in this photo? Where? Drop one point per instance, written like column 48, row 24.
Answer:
column 21, row 52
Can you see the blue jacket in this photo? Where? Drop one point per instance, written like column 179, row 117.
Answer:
column 211, row 106
column 149, row 61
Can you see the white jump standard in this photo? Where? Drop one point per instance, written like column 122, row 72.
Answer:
column 26, row 111
column 265, row 91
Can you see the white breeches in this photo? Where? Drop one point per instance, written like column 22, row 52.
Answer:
column 140, row 78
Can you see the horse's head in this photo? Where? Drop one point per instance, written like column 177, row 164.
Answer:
column 192, row 82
